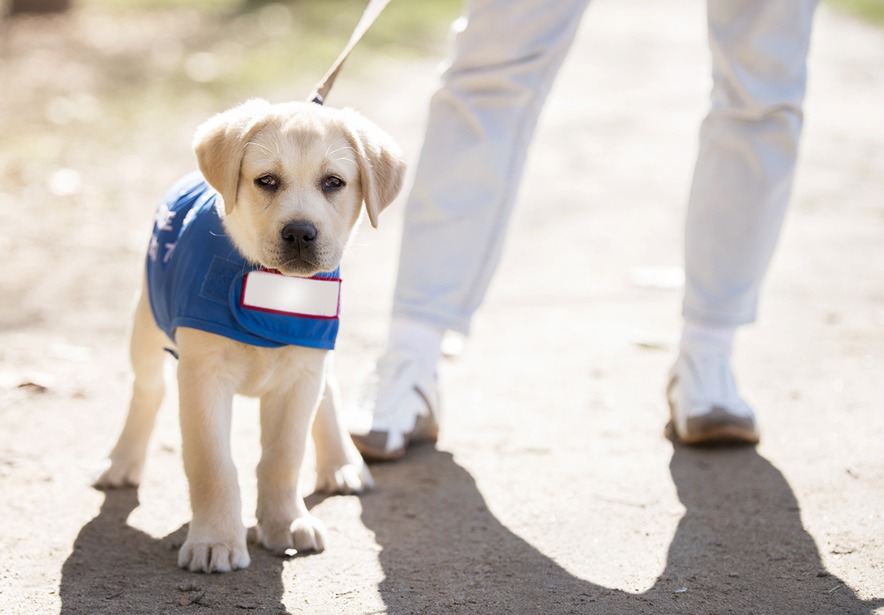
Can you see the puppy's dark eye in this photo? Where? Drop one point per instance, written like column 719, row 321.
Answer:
column 332, row 184
column 267, row 182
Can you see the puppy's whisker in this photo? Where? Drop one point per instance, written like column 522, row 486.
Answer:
column 349, row 147
column 331, row 153
column 264, row 147
column 353, row 162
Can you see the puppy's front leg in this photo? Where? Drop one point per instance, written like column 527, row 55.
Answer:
column 283, row 519
column 216, row 539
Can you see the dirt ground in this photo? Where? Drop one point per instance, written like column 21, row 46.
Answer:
column 553, row 488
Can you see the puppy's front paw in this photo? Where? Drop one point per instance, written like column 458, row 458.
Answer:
column 309, row 534
column 347, row 479
column 116, row 473
column 210, row 549
column 214, row 554
column 306, row 533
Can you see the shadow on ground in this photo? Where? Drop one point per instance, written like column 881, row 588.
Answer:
column 740, row 547
column 115, row 568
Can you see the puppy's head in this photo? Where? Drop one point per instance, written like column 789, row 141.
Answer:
column 294, row 177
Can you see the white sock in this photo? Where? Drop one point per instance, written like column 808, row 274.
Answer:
column 698, row 334
column 417, row 338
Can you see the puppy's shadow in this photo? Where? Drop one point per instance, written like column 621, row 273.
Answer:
column 740, row 547
column 115, row 568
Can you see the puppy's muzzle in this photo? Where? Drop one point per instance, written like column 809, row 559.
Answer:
column 299, row 239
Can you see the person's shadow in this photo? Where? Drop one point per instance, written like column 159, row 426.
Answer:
column 115, row 568
column 740, row 547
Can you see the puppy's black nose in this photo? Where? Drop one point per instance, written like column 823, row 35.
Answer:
column 301, row 234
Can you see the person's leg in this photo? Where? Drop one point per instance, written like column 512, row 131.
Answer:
column 481, row 120
column 742, row 182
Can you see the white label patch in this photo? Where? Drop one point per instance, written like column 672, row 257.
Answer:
column 274, row 292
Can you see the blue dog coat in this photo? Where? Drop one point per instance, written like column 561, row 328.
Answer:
column 196, row 278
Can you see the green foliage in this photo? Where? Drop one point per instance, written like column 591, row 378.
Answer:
column 872, row 10
column 251, row 43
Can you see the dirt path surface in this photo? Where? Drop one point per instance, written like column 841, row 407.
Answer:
column 553, row 488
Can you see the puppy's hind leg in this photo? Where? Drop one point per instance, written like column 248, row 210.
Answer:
column 339, row 466
column 125, row 463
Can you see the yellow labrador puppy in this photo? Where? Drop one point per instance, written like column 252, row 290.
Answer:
column 243, row 286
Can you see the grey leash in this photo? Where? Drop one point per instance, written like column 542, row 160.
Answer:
column 370, row 14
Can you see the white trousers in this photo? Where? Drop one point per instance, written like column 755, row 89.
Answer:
column 481, row 121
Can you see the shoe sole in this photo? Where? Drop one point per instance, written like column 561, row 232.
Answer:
column 372, row 446
column 371, row 453
column 719, row 435
column 718, row 427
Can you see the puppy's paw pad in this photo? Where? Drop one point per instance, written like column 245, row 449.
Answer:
column 213, row 557
column 347, row 479
column 114, row 474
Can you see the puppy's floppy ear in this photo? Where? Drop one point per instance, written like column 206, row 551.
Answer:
column 219, row 144
column 381, row 166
